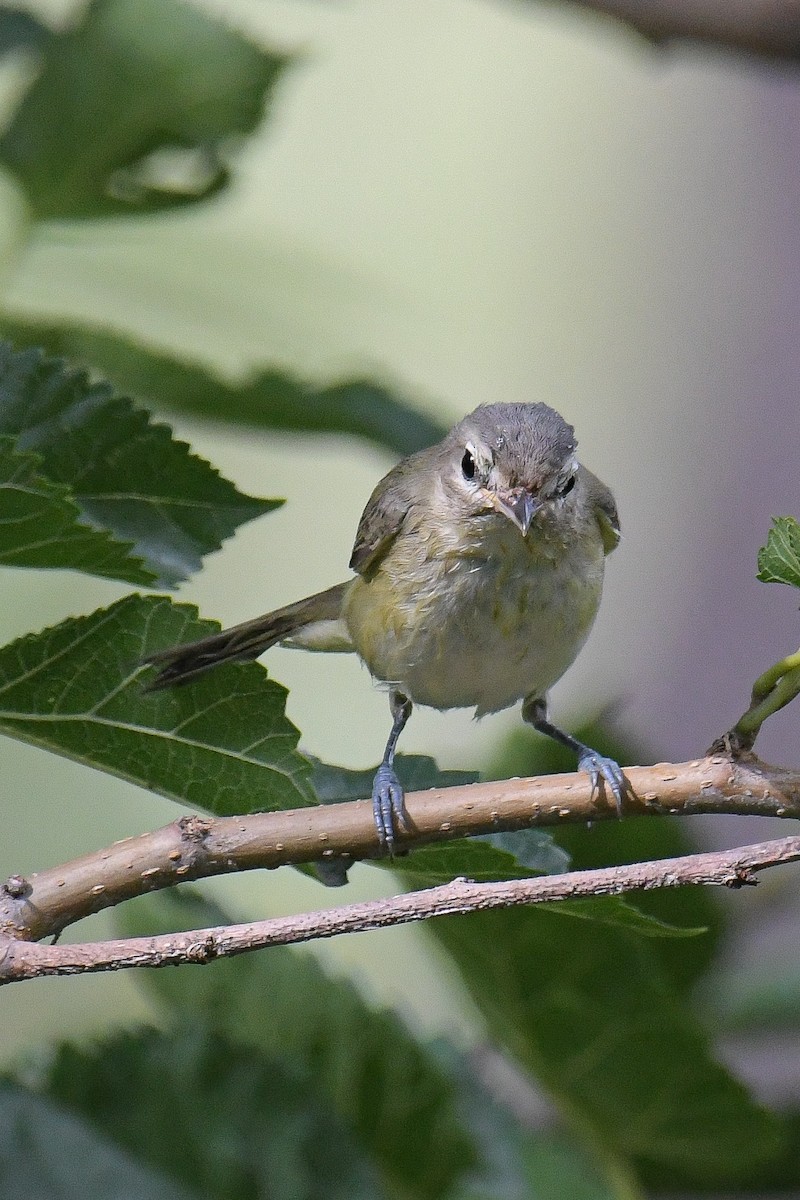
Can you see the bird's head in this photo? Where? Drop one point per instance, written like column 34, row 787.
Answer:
column 513, row 459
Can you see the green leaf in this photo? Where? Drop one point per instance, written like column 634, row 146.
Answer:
column 268, row 400
column 127, row 476
column 376, row 1077
column 223, row 744
column 416, row 772
column 477, row 859
column 474, row 858
column 40, row 525
column 584, row 1007
column 47, row 1154
column 213, row 1116
column 779, row 560
column 135, row 82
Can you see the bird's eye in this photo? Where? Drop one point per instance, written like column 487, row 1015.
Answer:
column 468, row 465
column 567, row 487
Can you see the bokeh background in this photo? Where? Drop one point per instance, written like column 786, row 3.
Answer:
column 468, row 201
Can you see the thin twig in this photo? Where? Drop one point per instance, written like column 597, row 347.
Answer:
column 728, row 868
column 195, row 847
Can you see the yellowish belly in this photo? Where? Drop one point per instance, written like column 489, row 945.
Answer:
column 474, row 632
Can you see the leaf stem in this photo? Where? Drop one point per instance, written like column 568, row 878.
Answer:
column 771, row 691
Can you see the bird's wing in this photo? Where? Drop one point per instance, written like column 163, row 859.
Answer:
column 380, row 522
column 379, row 526
column 605, row 510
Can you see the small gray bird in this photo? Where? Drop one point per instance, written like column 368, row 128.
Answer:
column 478, row 574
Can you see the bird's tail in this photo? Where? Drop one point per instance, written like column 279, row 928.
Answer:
column 180, row 664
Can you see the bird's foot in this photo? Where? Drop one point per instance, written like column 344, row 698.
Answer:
column 598, row 767
column 388, row 805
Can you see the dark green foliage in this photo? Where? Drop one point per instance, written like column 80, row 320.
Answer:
column 213, row 1117
column 19, row 30
column 374, row 1075
column 584, row 1007
column 47, row 1153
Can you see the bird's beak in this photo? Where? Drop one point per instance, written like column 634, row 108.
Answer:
column 519, row 505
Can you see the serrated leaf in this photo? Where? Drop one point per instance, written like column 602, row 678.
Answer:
column 133, row 79
column 40, row 525
column 779, row 560
column 223, row 744
column 48, row 1154
column 213, row 1116
column 585, row 1008
column 377, row 1078
column 266, row 400
column 126, row 475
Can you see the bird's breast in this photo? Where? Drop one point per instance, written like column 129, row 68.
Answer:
column 481, row 623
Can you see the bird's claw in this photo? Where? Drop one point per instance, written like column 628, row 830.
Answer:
column 388, row 807
column 597, row 766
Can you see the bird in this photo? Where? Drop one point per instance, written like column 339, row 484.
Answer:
column 478, row 569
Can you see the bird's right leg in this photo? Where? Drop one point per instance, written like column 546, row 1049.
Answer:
column 596, row 765
column 388, row 806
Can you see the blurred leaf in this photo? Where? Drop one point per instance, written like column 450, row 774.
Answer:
column 584, row 1007
column 779, row 560
column 215, row 1117
column 558, row 1170
column 127, row 476
column 501, row 1172
column 270, row 400
column 47, row 1154
column 19, row 30
column 634, row 839
column 223, row 745
column 754, row 999
column 40, row 525
column 376, row 1077
column 134, row 78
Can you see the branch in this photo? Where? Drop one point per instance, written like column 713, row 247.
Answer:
column 769, row 28
column 728, row 868
column 196, row 847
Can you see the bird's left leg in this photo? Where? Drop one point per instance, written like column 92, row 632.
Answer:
column 387, row 792
column 596, row 765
